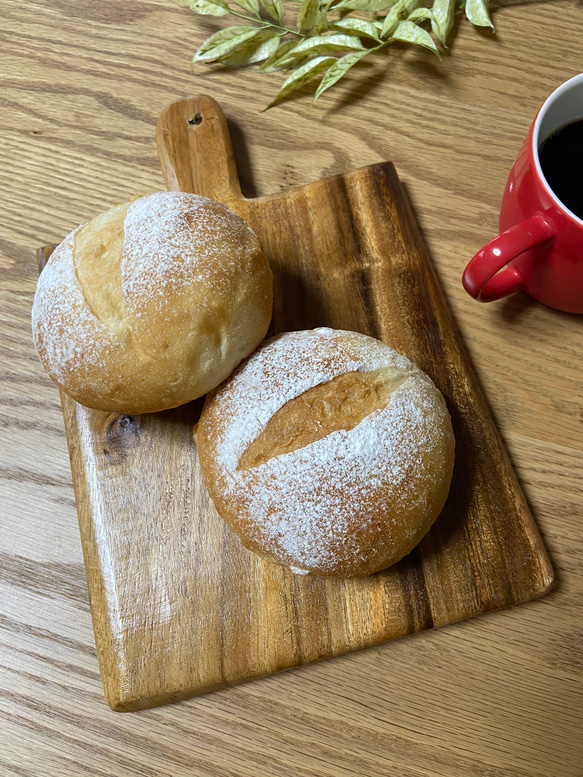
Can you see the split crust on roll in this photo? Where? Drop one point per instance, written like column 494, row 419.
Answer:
column 328, row 452
column 152, row 304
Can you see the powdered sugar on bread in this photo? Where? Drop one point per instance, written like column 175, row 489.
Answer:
column 185, row 234
column 335, row 505
column 152, row 303
column 65, row 329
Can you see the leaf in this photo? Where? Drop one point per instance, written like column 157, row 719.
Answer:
column 408, row 32
column 252, row 50
column 371, row 6
column 310, row 16
column 477, row 13
column 252, row 6
column 443, row 12
column 268, row 47
column 398, row 13
column 274, row 62
column 420, row 15
column 275, row 9
column 318, row 44
column 307, row 52
column 352, row 24
column 210, row 7
column 301, row 76
column 224, row 41
column 337, row 70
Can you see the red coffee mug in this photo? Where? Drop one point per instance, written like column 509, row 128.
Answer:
column 540, row 248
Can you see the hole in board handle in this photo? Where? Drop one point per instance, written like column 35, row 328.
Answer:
column 196, row 120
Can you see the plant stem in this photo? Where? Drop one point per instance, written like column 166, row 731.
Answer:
column 258, row 20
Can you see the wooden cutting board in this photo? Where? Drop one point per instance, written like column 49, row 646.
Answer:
column 179, row 606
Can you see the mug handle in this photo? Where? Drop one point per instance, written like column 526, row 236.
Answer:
column 484, row 277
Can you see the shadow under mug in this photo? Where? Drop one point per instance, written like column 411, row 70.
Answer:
column 540, row 247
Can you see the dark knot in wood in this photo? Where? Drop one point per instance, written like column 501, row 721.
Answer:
column 122, row 433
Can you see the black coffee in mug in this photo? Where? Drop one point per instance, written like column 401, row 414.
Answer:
column 561, row 160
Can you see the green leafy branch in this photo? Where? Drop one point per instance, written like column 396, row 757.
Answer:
column 327, row 37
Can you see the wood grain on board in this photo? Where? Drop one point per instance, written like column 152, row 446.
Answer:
column 179, row 606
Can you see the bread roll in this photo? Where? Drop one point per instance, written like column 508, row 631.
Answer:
column 327, row 451
column 152, row 303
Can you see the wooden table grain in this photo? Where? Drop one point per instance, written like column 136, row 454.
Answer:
column 81, row 87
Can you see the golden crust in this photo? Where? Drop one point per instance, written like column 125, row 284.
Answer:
column 152, row 304
column 327, row 451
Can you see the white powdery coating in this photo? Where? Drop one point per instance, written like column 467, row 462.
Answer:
column 286, row 367
column 63, row 322
column 302, row 504
column 170, row 241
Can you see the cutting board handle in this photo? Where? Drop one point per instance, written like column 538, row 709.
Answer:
column 195, row 151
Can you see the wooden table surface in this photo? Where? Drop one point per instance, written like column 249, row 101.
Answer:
column 81, row 86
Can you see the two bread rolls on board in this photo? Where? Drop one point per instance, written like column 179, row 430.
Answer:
column 152, row 304
column 327, row 451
